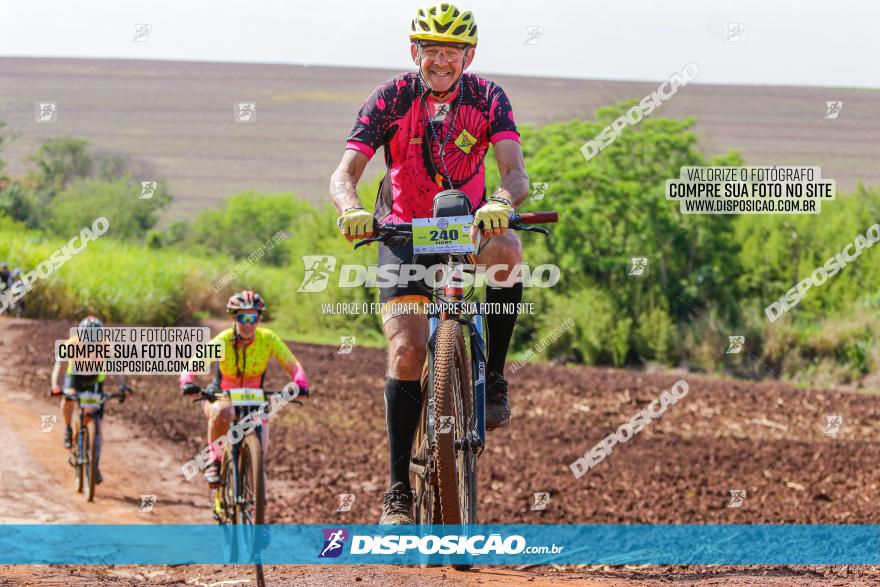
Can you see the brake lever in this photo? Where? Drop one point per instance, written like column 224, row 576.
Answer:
column 543, row 231
column 368, row 240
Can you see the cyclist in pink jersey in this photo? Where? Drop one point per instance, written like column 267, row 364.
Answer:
column 470, row 118
column 436, row 125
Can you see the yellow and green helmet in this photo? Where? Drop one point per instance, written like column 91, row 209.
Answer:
column 444, row 23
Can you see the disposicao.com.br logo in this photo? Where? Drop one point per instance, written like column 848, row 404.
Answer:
column 476, row 545
column 320, row 268
column 334, row 541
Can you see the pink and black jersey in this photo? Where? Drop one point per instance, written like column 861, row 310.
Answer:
column 396, row 116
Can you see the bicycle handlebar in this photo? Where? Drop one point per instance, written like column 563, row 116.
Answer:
column 117, row 395
column 516, row 222
column 213, row 394
column 106, row 396
column 538, row 217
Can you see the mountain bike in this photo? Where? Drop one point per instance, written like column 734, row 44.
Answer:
column 240, row 497
column 86, row 439
column 452, row 425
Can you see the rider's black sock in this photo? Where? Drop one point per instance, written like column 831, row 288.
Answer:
column 403, row 404
column 499, row 326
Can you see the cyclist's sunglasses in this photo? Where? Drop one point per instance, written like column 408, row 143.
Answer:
column 247, row 318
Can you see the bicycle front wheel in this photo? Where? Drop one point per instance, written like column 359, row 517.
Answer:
column 76, row 455
column 251, row 506
column 453, row 423
column 224, row 504
column 90, row 463
column 427, row 506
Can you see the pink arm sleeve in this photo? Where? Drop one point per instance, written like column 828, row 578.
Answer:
column 186, row 378
column 298, row 375
column 361, row 148
column 504, row 135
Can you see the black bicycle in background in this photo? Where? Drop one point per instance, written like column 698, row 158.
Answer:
column 86, row 437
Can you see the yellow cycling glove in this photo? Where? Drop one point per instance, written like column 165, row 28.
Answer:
column 355, row 223
column 494, row 216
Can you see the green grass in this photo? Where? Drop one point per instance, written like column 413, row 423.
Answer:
column 128, row 283
column 324, row 338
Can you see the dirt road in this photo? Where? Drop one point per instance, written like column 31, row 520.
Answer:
column 768, row 439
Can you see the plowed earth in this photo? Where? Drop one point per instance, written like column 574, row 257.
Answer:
column 768, row 439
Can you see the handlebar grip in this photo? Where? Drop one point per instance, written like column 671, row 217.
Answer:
column 539, row 217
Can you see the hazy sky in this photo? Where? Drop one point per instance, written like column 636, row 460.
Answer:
column 798, row 42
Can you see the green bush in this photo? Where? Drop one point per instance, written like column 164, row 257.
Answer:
column 119, row 201
column 246, row 223
column 655, row 336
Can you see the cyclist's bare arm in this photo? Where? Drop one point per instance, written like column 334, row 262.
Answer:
column 57, row 371
column 514, row 181
column 343, row 182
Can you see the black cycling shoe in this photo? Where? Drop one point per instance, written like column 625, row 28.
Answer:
column 397, row 507
column 68, row 437
column 497, row 409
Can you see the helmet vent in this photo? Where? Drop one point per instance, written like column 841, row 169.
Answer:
column 444, row 23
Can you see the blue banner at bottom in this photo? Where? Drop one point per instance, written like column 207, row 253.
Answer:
column 504, row 544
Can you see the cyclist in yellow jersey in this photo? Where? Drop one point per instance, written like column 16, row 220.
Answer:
column 247, row 350
column 74, row 383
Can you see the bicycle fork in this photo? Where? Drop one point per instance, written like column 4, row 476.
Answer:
column 478, row 372
column 236, row 452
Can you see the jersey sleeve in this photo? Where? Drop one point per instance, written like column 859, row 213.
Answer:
column 281, row 353
column 501, row 122
column 371, row 128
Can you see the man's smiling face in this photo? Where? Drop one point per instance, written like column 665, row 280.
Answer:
column 442, row 63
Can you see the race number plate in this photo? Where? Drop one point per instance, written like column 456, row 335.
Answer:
column 246, row 397
column 90, row 399
column 449, row 234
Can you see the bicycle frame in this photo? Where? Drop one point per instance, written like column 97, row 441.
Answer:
column 453, row 292
column 89, row 413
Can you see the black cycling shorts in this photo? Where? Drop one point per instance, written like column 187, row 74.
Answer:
column 399, row 255
column 80, row 383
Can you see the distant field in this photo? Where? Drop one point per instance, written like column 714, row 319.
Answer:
column 174, row 120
